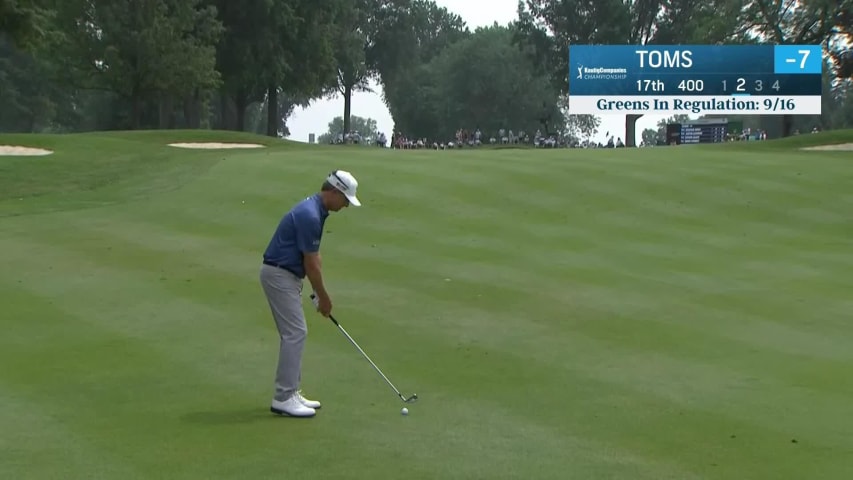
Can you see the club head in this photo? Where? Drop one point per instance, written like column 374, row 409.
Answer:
column 412, row 399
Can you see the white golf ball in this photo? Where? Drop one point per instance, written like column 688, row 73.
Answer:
column 404, row 411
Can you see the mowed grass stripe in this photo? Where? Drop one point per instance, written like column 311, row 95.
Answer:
column 143, row 293
column 88, row 311
column 116, row 402
column 106, row 293
column 454, row 182
column 136, row 300
column 698, row 277
column 514, row 310
column 682, row 207
column 531, row 399
column 144, row 297
column 730, row 173
column 615, row 358
column 34, row 431
column 706, row 282
column 604, row 364
column 98, row 386
column 85, row 314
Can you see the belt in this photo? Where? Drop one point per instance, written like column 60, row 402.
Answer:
column 276, row 265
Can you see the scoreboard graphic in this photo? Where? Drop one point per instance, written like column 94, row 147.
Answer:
column 695, row 79
column 713, row 130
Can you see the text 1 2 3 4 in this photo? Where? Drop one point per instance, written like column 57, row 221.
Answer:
column 757, row 85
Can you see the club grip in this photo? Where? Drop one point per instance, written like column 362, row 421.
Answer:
column 330, row 315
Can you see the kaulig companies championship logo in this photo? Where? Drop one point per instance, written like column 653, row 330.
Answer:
column 601, row 73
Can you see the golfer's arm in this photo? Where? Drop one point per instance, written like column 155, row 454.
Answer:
column 314, row 274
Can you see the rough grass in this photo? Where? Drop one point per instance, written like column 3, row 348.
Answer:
column 662, row 313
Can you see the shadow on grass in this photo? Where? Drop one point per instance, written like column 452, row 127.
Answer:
column 230, row 417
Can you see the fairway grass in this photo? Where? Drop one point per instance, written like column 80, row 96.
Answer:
column 662, row 313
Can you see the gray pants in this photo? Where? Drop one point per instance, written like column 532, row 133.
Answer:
column 284, row 295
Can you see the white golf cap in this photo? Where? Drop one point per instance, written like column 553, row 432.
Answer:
column 346, row 183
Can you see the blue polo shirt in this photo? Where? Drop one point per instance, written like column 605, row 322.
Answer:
column 298, row 232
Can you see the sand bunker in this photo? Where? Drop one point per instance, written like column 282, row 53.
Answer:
column 214, row 145
column 17, row 151
column 843, row 147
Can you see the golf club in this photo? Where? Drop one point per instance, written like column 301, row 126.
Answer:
column 411, row 399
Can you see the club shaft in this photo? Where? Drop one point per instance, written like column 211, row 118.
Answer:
column 368, row 358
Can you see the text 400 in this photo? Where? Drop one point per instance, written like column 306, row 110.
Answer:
column 691, row 85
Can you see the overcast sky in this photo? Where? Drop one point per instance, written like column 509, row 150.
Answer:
column 476, row 13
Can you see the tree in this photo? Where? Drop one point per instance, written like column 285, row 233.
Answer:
column 349, row 50
column 843, row 59
column 296, row 52
column 689, row 22
column 842, row 115
column 402, row 36
column 545, row 29
column 826, row 22
column 578, row 126
column 257, row 113
column 366, row 127
column 238, row 59
column 837, row 101
column 651, row 136
column 27, row 96
column 138, row 49
column 482, row 82
column 587, row 125
column 26, row 23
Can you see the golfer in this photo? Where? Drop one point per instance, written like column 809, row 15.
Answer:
column 292, row 254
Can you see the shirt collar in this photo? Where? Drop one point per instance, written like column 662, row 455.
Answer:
column 319, row 200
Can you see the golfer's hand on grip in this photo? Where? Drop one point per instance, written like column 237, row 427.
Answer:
column 322, row 303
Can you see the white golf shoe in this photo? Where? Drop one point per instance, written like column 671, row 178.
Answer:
column 308, row 403
column 291, row 407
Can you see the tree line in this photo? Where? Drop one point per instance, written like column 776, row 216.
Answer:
column 78, row 65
